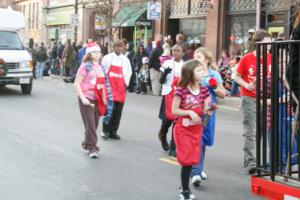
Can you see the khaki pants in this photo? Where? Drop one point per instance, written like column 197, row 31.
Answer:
column 156, row 86
column 249, row 133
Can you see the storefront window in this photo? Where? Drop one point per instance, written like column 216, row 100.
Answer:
column 193, row 29
column 239, row 5
column 238, row 39
column 178, row 8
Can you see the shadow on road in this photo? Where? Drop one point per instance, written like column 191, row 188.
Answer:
column 10, row 91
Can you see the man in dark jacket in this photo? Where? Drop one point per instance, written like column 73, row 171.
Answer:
column 41, row 58
column 54, row 58
column 130, row 54
column 154, row 65
column 60, row 50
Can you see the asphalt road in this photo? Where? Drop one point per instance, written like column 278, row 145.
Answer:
column 41, row 156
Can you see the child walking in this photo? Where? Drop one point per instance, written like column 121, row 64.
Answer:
column 190, row 102
column 213, row 81
column 89, row 74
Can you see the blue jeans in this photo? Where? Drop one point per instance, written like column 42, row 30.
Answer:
column 40, row 69
column 197, row 169
column 53, row 66
column 138, row 83
column 234, row 88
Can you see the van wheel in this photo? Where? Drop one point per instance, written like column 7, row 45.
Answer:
column 26, row 88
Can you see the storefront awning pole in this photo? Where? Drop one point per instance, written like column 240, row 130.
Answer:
column 145, row 36
column 134, row 37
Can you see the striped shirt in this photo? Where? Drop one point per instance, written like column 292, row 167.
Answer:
column 189, row 100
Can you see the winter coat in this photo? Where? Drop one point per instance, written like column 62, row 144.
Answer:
column 41, row 55
column 137, row 61
column 154, row 61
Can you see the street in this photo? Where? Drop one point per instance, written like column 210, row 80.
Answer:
column 42, row 158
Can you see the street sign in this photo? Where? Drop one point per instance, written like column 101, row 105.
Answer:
column 100, row 23
column 74, row 20
column 154, row 10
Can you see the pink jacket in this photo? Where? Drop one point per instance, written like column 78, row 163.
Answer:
column 164, row 58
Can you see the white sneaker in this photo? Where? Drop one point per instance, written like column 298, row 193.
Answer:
column 93, row 155
column 192, row 196
column 196, row 180
column 203, row 175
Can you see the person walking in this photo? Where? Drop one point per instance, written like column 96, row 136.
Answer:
column 118, row 69
column 213, row 81
column 85, row 84
column 190, row 102
column 154, row 65
column 246, row 78
column 41, row 58
column 171, row 69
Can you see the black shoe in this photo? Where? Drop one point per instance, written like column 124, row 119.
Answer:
column 252, row 170
column 115, row 137
column 172, row 153
column 163, row 141
column 105, row 135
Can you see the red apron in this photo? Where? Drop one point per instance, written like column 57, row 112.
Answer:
column 117, row 83
column 188, row 138
column 169, row 101
column 100, row 94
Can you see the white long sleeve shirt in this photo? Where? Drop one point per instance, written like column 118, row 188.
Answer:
column 118, row 60
column 176, row 72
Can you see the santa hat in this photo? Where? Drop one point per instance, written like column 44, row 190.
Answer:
column 92, row 47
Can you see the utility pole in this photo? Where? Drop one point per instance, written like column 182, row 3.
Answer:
column 76, row 25
column 258, row 16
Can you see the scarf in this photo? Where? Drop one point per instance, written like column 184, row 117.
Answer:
column 110, row 104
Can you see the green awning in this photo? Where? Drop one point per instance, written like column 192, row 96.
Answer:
column 128, row 15
column 59, row 16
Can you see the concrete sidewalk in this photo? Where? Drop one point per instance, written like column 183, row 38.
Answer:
column 230, row 103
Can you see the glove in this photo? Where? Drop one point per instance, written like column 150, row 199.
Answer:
column 162, row 79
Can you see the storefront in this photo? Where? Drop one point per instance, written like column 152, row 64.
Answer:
column 241, row 15
column 58, row 23
column 189, row 18
column 131, row 20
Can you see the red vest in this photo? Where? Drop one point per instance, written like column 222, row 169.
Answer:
column 117, row 83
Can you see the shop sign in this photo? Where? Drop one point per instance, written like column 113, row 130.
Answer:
column 100, row 23
column 74, row 19
column 154, row 11
column 139, row 23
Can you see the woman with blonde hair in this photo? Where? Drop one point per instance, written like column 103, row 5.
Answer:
column 213, row 81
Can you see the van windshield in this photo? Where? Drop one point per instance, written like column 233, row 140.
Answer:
column 10, row 41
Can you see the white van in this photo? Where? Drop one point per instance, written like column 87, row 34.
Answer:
column 12, row 51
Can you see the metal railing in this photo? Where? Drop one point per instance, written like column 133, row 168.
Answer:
column 277, row 136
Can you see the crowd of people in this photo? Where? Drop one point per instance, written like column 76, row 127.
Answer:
column 186, row 76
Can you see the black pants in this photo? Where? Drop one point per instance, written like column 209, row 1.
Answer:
column 113, row 126
column 165, row 125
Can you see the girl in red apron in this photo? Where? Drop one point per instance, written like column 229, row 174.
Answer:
column 85, row 83
column 191, row 100
column 171, row 69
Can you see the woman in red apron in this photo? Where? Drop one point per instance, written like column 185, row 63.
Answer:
column 190, row 101
column 171, row 70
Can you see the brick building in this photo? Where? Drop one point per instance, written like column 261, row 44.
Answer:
column 33, row 11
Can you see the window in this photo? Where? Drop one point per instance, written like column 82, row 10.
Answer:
column 33, row 15
column 29, row 16
column 10, row 40
column 37, row 15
